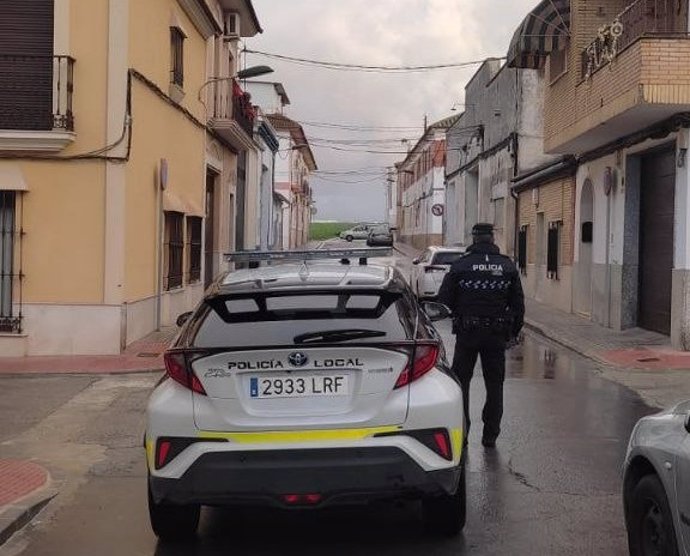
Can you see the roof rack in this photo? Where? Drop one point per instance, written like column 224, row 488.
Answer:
column 310, row 255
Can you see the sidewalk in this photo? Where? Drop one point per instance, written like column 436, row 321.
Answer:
column 24, row 490
column 144, row 355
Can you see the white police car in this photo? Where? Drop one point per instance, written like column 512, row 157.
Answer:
column 656, row 488
column 306, row 385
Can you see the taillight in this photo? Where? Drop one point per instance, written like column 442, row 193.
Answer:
column 437, row 440
column 181, row 372
column 168, row 448
column 423, row 359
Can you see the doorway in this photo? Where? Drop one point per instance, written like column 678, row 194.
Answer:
column 657, row 194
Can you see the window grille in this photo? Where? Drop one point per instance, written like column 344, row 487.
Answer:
column 522, row 249
column 10, row 251
column 174, row 234
column 194, row 238
column 177, row 56
column 552, row 262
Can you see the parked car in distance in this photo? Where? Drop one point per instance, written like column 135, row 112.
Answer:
column 429, row 270
column 360, row 231
column 380, row 235
column 656, row 485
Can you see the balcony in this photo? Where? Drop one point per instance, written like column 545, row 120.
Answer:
column 642, row 18
column 36, row 103
column 232, row 114
column 636, row 73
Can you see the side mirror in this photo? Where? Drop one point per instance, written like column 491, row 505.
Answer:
column 687, row 422
column 415, row 261
column 183, row 318
column 435, row 311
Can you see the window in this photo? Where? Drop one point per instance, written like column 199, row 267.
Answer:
column 194, row 248
column 277, row 319
column 554, row 241
column 447, row 258
column 541, row 239
column 8, row 233
column 177, row 56
column 499, row 213
column 522, row 249
column 174, row 249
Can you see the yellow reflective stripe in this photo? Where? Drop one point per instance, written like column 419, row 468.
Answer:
column 297, row 436
column 456, row 443
column 150, row 453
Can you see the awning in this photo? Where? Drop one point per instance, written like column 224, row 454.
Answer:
column 545, row 29
column 175, row 203
column 11, row 177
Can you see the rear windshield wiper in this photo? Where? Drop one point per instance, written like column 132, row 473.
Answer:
column 337, row 335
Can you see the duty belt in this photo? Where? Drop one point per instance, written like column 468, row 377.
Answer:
column 492, row 323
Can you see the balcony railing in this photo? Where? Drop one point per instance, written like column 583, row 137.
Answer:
column 36, row 93
column 640, row 19
column 232, row 103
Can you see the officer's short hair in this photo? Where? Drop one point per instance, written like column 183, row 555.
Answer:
column 483, row 231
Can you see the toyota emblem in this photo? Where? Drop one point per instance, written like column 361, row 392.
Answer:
column 298, row 359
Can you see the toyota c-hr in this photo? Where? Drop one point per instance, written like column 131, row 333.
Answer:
column 306, row 385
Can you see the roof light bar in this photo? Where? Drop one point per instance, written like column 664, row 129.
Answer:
column 308, row 255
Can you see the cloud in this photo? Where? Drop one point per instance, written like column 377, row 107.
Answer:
column 376, row 32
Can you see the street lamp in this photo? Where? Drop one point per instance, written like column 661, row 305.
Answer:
column 248, row 73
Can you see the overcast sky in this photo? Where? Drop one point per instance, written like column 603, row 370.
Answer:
column 375, row 32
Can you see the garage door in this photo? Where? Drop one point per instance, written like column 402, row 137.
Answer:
column 656, row 241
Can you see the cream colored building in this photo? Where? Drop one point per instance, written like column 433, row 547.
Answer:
column 117, row 200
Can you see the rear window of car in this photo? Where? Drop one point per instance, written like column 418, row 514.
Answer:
column 277, row 320
column 448, row 257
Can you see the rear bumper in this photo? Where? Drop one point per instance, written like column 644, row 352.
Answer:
column 339, row 475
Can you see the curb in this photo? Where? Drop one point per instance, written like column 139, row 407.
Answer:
column 17, row 515
column 82, row 372
column 571, row 345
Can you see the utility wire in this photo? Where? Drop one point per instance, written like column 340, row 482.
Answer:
column 340, row 66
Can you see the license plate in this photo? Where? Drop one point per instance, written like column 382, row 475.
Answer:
column 298, row 387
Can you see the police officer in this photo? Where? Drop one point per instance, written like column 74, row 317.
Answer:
column 484, row 293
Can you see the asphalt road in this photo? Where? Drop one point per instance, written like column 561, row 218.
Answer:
column 552, row 486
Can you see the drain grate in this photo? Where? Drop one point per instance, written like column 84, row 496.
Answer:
column 148, row 354
column 648, row 359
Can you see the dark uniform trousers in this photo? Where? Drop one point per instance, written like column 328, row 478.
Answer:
column 490, row 346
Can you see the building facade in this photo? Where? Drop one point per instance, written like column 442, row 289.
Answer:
column 294, row 164
column 421, row 188
column 113, row 225
column 498, row 137
column 618, row 99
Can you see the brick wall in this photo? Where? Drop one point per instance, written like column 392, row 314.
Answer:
column 650, row 70
column 556, row 201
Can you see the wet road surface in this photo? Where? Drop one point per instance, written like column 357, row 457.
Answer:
column 551, row 487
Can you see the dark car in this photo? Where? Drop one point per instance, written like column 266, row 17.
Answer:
column 381, row 235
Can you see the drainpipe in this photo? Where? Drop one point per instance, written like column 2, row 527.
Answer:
column 159, row 254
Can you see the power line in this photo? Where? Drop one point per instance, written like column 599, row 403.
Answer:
column 340, row 66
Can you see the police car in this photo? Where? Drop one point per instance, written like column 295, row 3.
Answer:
column 306, row 384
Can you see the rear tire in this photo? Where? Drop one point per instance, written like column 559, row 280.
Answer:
column 650, row 521
column 445, row 515
column 349, row 238
column 173, row 522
